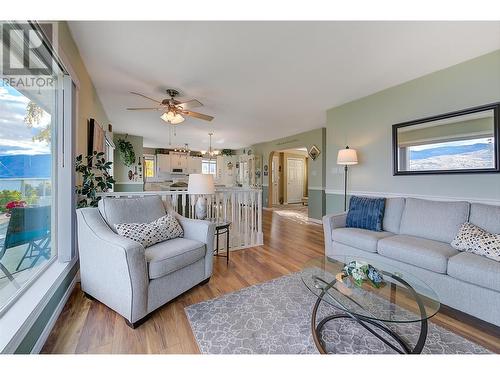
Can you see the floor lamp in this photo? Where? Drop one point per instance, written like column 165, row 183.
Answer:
column 345, row 157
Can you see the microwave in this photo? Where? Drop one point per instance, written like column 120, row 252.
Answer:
column 177, row 170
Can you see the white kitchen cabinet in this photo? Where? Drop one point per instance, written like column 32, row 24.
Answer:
column 226, row 170
column 194, row 164
column 163, row 162
column 178, row 161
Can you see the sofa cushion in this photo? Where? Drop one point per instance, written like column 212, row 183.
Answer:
column 485, row 216
column 434, row 220
column 475, row 269
column 131, row 210
column 392, row 215
column 363, row 239
column 420, row 252
column 365, row 213
column 172, row 255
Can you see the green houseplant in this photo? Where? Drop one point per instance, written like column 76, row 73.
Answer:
column 95, row 178
column 126, row 151
column 226, row 152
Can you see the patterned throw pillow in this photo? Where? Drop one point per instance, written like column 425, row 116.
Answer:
column 474, row 239
column 147, row 234
column 365, row 213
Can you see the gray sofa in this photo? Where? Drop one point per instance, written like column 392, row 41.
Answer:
column 132, row 280
column 416, row 238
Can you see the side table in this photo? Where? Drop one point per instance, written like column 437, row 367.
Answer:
column 222, row 228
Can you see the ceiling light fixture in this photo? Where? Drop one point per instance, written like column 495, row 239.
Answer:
column 172, row 118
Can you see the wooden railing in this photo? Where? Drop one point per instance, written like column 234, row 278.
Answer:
column 240, row 206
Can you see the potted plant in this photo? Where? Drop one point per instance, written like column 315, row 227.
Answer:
column 95, row 178
column 126, row 151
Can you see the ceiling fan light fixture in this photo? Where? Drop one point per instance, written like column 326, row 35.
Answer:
column 177, row 119
column 172, row 118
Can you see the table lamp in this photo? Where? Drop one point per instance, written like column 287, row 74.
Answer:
column 345, row 157
column 201, row 184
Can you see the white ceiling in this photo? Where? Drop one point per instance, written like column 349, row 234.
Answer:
column 262, row 80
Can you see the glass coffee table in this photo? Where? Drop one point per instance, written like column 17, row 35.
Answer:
column 400, row 298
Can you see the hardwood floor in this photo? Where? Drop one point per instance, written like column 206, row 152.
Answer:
column 87, row 326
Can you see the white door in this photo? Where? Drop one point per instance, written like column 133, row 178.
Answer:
column 295, row 180
column 275, row 176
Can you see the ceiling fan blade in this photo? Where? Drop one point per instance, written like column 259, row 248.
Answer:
column 188, row 103
column 144, row 96
column 201, row 116
column 144, row 109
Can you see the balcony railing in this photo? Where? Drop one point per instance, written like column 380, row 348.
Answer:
column 240, row 206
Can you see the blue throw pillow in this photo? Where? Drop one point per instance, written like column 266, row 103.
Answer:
column 366, row 213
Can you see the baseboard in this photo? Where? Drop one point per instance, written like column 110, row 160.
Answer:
column 53, row 319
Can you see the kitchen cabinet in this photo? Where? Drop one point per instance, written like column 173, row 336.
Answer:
column 163, row 162
column 178, row 161
column 226, row 170
column 193, row 165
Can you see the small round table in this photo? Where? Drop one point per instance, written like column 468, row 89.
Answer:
column 220, row 229
column 401, row 298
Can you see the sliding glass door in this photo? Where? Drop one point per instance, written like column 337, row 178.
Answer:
column 31, row 107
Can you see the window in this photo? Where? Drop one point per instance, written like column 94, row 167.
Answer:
column 32, row 161
column 209, row 166
column 472, row 153
column 149, row 166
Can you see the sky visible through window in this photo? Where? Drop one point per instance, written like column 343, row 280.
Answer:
column 16, row 137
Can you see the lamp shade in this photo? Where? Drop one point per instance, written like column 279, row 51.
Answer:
column 347, row 156
column 201, row 184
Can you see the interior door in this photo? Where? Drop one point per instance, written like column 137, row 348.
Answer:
column 295, row 180
column 275, row 179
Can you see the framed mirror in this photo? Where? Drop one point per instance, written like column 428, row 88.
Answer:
column 458, row 142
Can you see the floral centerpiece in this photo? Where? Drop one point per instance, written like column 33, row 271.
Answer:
column 363, row 272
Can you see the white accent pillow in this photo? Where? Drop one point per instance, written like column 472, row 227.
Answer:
column 148, row 234
column 474, row 239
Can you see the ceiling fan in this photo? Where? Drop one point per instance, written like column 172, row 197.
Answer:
column 173, row 109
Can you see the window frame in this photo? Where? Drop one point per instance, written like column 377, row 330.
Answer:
column 152, row 158
column 210, row 162
column 63, row 240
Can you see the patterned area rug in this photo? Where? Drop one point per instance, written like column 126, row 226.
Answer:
column 275, row 317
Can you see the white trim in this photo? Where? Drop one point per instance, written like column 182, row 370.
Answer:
column 53, row 319
column 20, row 317
column 316, row 188
column 69, row 68
column 495, row 202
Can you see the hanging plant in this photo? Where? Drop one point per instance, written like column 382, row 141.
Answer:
column 226, row 152
column 94, row 170
column 126, row 151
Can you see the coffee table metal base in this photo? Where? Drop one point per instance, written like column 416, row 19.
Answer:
column 365, row 322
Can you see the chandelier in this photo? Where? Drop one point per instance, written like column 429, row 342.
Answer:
column 211, row 152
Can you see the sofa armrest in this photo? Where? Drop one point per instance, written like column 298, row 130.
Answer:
column 331, row 222
column 202, row 231
column 113, row 268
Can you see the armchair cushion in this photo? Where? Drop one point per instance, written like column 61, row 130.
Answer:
column 172, row 255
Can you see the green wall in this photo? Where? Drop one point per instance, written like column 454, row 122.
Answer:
column 316, row 178
column 365, row 125
column 120, row 170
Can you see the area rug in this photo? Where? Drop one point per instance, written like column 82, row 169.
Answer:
column 275, row 318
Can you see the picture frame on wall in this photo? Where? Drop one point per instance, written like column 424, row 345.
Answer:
column 96, row 137
column 314, row 152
